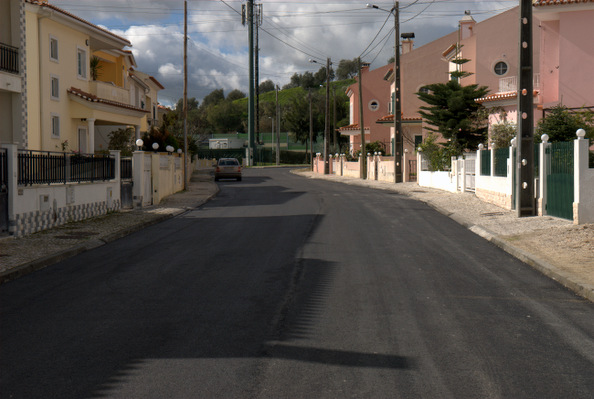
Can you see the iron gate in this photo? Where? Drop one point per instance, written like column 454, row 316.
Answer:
column 3, row 190
column 412, row 170
column 126, row 183
column 560, row 180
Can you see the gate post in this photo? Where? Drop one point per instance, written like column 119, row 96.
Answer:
column 543, row 166
column 138, row 178
column 12, row 184
column 583, row 212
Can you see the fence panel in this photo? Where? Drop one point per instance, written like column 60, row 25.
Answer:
column 501, row 157
column 485, row 162
column 560, row 180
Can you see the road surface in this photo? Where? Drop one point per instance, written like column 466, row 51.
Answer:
column 285, row 287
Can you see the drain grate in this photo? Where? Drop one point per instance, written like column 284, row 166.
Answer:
column 492, row 214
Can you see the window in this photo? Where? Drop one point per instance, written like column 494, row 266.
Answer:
column 55, row 87
column 500, row 68
column 418, row 140
column 373, row 105
column 81, row 60
column 424, row 89
column 55, row 126
column 53, row 49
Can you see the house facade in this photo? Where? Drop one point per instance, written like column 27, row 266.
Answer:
column 70, row 100
column 13, row 98
column 491, row 47
column 376, row 93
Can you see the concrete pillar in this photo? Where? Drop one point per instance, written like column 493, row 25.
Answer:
column 137, row 132
column 91, row 123
column 583, row 181
column 138, row 178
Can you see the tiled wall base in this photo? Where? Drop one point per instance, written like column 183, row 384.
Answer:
column 32, row 222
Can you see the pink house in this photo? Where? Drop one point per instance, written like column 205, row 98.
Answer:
column 376, row 94
column 492, row 48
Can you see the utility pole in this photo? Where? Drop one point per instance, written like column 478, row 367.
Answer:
column 251, row 143
column 186, row 176
column 310, row 133
column 398, row 139
column 525, row 144
column 327, row 119
column 258, row 22
column 363, row 164
column 277, row 129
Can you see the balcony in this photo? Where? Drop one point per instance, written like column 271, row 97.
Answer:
column 9, row 59
column 511, row 83
column 109, row 91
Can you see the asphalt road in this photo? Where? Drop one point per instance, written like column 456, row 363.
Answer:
column 284, row 287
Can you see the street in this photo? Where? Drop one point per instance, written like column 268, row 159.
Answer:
column 286, row 287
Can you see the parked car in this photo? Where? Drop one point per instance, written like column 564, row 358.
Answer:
column 228, row 168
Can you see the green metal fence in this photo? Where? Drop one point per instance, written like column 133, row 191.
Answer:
column 485, row 162
column 560, row 180
column 501, row 157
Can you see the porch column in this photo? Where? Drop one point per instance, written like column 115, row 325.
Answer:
column 136, row 132
column 91, row 128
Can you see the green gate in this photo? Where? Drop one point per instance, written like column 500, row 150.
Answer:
column 560, row 180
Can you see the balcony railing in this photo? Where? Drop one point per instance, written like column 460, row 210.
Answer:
column 511, row 83
column 9, row 58
column 110, row 91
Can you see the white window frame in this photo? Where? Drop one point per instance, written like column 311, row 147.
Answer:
column 53, row 39
column 81, row 67
column 55, row 125
column 54, row 95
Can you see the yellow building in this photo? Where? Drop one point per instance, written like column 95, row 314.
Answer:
column 12, row 94
column 79, row 77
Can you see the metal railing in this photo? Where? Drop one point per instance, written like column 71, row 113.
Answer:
column 500, row 162
column 9, row 58
column 44, row 167
column 485, row 162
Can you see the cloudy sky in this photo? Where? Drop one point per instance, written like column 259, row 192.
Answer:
column 292, row 33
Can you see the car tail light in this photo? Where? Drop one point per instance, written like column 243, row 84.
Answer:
column 218, row 169
column 239, row 169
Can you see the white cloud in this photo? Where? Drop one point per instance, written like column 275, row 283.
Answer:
column 292, row 33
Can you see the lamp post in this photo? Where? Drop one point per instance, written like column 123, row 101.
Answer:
column 397, row 108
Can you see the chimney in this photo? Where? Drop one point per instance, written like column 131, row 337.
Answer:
column 407, row 45
column 467, row 24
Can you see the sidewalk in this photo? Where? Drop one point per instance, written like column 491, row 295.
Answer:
column 24, row 255
column 554, row 246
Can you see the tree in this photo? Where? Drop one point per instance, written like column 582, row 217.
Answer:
column 122, row 139
column 452, row 111
column 560, row 124
column 266, row 86
column 296, row 116
column 434, row 153
column 347, row 69
column 213, row 98
column 235, row 95
column 225, row 117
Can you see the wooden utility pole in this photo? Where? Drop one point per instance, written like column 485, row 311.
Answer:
column 363, row 164
column 311, row 153
column 327, row 119
column 398, row 139
column 186, row 174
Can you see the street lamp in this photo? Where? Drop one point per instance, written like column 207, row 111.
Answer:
column 155, row 146
column 327, row 118
column 139, row 144
column 398, row 139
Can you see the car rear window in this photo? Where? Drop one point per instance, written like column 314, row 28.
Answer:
column 229, row 162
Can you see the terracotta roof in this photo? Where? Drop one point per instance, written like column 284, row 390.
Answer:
column 538, row 3
column 501, row 96
column 94, row 99
column 45, row 4
column 354, row 126
column 390, row 118
column 157, row 82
